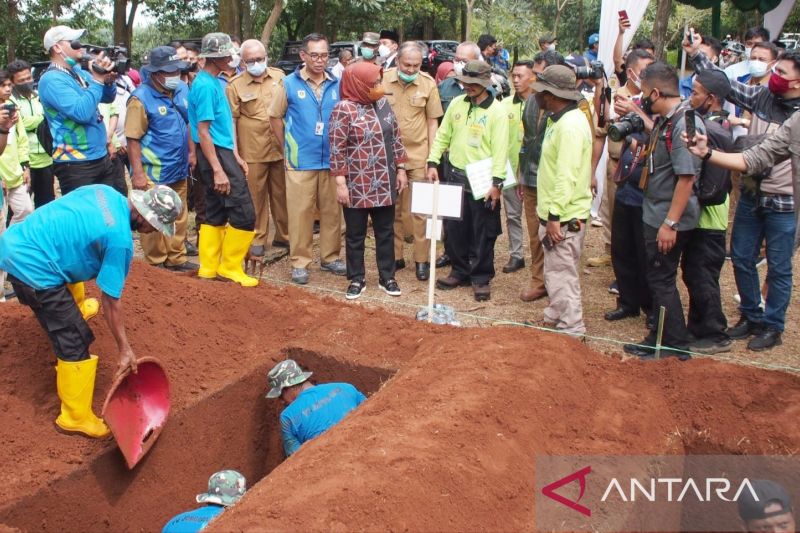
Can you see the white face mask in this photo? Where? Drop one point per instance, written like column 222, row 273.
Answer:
column 458, row 68
column 257, row 69
column 172, row 82
column 384, row 51
column 551, row 46
column 235, row 60
column 636, row 81
column 758, row 68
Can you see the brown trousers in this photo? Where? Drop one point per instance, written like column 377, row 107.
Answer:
column 267, row 183
column 562, row 279
column 403, row 217
column 305, row 191
column 157, row 247
column 537, row 253
column 607, row 204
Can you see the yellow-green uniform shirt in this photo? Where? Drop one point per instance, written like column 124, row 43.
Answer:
column 13, row 156
column 715, row 216
column 31, row 114
column 473, row 133
column 565, row 167
column 108, row 111
column 516, row 131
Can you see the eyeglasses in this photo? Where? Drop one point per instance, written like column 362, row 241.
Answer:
column 317, row 57
column 255, row 60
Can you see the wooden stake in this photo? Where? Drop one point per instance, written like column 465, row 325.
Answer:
column 660, row 331
column 432, row 258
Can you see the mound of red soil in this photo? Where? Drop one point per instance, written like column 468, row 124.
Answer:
column 449, row 443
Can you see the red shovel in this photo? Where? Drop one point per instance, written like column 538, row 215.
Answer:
column 137, row 407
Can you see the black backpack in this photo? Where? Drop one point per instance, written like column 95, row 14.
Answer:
column 44, row 135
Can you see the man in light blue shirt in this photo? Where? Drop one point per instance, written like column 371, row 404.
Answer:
column 225, row 488
column 311, row 409
column 87, row 234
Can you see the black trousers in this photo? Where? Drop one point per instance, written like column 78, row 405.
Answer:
column 662, row 273
column 475, row 233
column 702, row 263
column 197, row 198
column 42, row 186
column 629, row 259
column 60, row 317
column 235, row 208
column 79, row 173
column 355, row 221
column 118, row 175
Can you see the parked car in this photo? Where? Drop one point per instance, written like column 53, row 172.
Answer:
column 290, row 59
column 438, row 53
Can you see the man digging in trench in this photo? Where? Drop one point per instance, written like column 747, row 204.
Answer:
column 87, row 234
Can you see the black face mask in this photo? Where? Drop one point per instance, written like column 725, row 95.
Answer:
column 702, row 109
column 24, row 89
column 647, row 103
column 193, row 67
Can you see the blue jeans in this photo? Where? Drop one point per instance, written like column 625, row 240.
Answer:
column 750, row 227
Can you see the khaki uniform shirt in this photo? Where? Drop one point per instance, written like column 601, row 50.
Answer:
column 250, row 102
column 413, row 104
column 280, row 102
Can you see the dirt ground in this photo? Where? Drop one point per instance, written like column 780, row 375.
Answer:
column 446, row 442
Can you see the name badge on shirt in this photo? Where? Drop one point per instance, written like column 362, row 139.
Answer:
column 319, row 128
column 474, row 135
column 301, row 94
column 162, row 110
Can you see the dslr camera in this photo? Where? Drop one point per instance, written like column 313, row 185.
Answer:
column 594, row 71
column 117, row 54
column 630, row 123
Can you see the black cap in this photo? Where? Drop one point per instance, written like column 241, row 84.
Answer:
column 164, row 59
column 715, row 82
column 486, row 40
column 390, row 34
column 768, row 493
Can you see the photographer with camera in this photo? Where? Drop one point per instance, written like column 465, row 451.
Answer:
column 627, row 142
column 15, row 174
column 70, row 95
column 670, row 210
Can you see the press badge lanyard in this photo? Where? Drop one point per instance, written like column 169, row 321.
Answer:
column 320, row 126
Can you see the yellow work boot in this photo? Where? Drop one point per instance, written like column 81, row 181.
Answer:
column 88, row 306
column 209, row 248
column 234, row 249
column 75, row 384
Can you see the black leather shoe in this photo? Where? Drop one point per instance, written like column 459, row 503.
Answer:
column 638, row 351
column 650, row 322
column 744, row 328
column 400, row 264
column 768, row 338
column 442, row 261
column 191, row 249
column 316, row 227
column 513, row 265
column 423, row 271
column 620, row 313
column 450, row 282
column 280, row 244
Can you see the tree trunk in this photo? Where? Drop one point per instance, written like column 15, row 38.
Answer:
column 463, row 16
column 246, row 10
column 660, row 27
column 581, row 21
column 427, row 29
column 319, row 16
column 120, row 17
column 272, row 21
column 228, row 16
column 470, row 5
column 13, row 24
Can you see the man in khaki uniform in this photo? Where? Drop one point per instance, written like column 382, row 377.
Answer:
column 368, row 49
column 415, row 101
column 250, row 95
column 299, row 115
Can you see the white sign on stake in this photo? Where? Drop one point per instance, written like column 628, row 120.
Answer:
column 429, row 227
column 449, row 199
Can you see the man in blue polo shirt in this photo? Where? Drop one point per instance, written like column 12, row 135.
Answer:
column 311, row 409
column 70, row 96
column 230, row 215
column 87, row 234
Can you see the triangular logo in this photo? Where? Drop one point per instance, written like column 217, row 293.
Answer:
column 580, row 475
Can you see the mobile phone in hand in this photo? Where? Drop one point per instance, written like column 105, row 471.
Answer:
column 547, row 243
column 691, row 131
column 623, row 14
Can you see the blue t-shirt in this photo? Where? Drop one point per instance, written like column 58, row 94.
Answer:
column 315, row 410
column 207, row 103
column 81, row 236
column 193, row 521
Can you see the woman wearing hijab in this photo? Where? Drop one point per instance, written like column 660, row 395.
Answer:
column 367, row 160
column 444, row 70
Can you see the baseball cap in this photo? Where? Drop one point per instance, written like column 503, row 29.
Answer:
column 164, row 59
column 160, row 206
column 476, row 71
column 61, row 33
column 285, row 374
column 594, row 38
column 715, row 82
column 558, row 80
column 224, row 488
column 768, row 493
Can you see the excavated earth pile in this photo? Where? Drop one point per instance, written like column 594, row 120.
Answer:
column 447, row 440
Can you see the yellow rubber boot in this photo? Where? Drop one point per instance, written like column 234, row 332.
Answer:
column 88, row 306
column 75, row 383
column 234, row 249
column 210, row 248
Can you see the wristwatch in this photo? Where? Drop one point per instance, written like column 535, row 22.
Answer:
column 671, row 224
column 708, row 155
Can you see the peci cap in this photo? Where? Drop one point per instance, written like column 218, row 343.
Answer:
column 558, row 80
column 61, row 33
column 391, row 35
column 768, row 493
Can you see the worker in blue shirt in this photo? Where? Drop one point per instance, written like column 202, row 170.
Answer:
column 311, row 409
column 225, row 488
column 87, row 234
column 70, row 96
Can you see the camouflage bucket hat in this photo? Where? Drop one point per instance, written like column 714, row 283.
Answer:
column 216, row 45
column 160, row 206
column 224, row 488
column 285, row 374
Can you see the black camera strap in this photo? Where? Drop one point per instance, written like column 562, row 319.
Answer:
column 83, row 83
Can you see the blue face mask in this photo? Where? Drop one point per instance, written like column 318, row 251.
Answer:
column 172, row 82
column 367, row 53
column 70, row 61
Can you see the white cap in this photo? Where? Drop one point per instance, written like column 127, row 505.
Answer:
column 61, row 33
